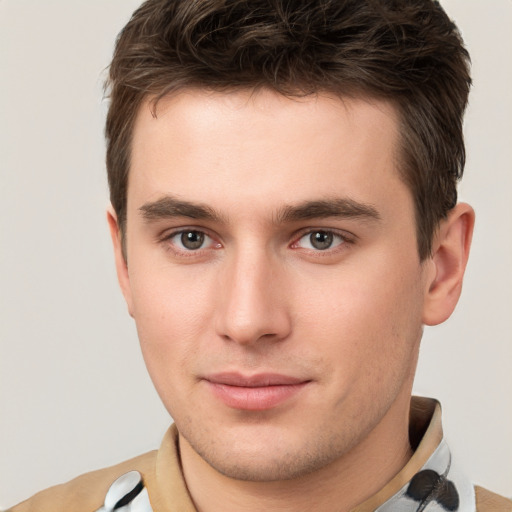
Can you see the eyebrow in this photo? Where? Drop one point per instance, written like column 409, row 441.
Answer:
column 169, row 207
column 336, row 207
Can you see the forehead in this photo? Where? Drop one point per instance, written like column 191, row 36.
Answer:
column 262, row 147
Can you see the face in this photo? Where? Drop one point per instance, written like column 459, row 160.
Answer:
column 273, row 274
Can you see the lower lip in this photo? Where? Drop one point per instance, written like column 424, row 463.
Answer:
column 255, row 398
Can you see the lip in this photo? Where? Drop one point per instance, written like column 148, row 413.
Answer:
column 254, row 392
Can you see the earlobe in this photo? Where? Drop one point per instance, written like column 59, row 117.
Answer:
column 449, row 258
column 120, row 261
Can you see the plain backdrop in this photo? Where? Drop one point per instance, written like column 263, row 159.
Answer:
column 74, row 394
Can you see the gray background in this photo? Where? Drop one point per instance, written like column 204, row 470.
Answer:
column 74, row 394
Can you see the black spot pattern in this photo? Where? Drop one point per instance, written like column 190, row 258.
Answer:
column 128, row 498
column 428, row 486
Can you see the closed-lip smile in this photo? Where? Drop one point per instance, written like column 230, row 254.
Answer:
column 254, row 392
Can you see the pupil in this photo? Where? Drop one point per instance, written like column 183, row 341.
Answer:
column 321, row 240
column 192, row 239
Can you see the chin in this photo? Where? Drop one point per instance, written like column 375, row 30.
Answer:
column 266, row 468
column 264, row 455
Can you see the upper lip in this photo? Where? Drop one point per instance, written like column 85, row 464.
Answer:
column 253, row 381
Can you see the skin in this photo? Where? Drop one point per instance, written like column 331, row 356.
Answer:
column 257, row 296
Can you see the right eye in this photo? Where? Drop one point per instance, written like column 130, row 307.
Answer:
column 191, row 240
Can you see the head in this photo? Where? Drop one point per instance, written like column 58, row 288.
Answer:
column 283, row 180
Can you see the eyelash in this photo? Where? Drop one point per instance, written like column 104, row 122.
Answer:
column 343, row 237
column 345, row 241
column 167, row 239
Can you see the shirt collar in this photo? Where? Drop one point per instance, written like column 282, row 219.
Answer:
column 431, row 477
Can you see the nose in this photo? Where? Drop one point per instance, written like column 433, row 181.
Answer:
column 252, row 304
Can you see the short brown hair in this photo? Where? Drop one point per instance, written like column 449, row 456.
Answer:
column 406, row 51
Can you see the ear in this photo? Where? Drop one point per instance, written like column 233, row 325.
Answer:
column 121, row 263
column 449, row 258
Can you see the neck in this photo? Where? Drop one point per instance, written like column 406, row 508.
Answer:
column 341, row 485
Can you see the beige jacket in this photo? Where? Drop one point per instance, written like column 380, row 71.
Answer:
column 163, row 478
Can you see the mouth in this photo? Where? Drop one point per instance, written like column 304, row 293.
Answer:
column 256, row 392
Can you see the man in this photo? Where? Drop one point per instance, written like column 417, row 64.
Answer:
column 284, row 221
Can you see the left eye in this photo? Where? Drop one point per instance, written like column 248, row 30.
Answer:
column 191, row 240
column 320, row 240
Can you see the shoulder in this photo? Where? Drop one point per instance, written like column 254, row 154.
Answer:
column 487, row 501
column 86, row 492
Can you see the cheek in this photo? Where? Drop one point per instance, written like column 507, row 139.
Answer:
column 169, row 326
column 168, row 299
column 171, row 311
column 369, row 319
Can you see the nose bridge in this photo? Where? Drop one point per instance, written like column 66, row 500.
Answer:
column 252, row 304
